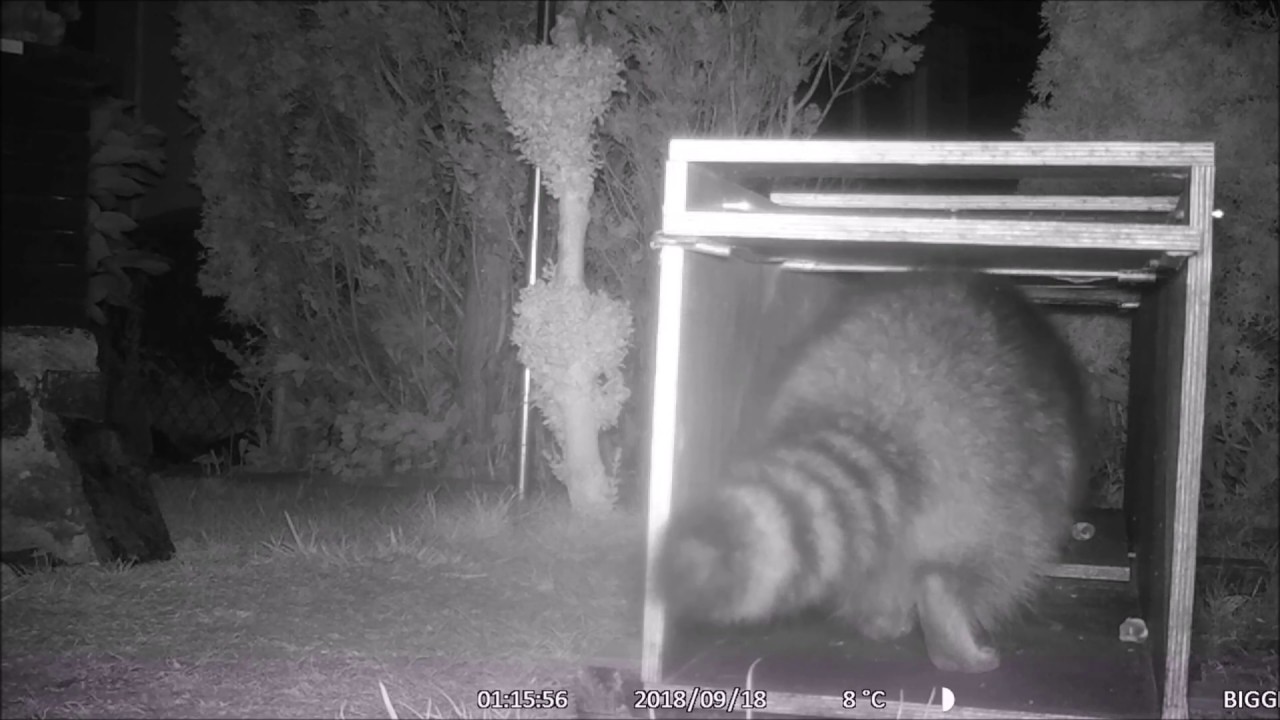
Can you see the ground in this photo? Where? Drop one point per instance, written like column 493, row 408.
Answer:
column 284, row 603
column 302, row 600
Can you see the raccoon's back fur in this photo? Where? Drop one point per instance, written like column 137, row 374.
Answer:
column 920, row 457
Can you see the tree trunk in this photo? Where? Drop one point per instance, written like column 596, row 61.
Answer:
column 119, row 362
column 575, row 213
column 589, row 486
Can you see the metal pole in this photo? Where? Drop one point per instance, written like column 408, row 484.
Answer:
column 524, row 464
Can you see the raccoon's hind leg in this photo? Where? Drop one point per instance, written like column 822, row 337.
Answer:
column 949, row 629
column 883, row 607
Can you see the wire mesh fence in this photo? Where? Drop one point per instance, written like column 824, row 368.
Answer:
column 193, row 413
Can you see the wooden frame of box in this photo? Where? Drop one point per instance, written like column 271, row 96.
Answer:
column 742, row 222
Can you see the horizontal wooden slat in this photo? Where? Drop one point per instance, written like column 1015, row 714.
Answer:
column 1090, row 203
column 945, row 231
column 1130, row 268
column 1082, row 275
column 1084, row 295
column 1071, row 571
column 829, row 152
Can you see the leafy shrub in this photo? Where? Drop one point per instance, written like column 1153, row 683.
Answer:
column 1194, row 72
column 377, row 441
column 128, row 158
column 364, row 203
column 345, row 164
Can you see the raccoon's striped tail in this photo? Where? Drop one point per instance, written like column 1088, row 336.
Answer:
column 780, row 535
column 729, row 557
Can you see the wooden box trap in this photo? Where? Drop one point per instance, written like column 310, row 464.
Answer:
column 752, row 231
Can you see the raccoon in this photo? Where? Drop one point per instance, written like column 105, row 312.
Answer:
column 920, row 455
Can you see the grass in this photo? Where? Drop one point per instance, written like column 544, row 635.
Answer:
column 288, row 600
column 315, row 604
column 1236, row 624
column 1235, row 630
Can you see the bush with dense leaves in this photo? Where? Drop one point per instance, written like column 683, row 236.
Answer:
column 1193, row 72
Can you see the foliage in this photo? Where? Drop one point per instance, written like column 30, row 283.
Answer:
column 346, row 237
column 559, row 326
column 374, row 441
column 357, row 170
column 128, row 158
column 733, row 69
column 720, row 69
column 1193, row 71
column 554, row 96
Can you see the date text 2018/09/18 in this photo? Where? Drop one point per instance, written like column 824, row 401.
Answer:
column 701, row 699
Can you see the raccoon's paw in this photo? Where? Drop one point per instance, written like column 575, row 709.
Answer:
column 981, row 659
column 886, row 625
column 949, row 631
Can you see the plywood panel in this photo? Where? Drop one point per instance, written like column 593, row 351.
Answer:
column 1140, row 492
column 1104, row 556
column 1145, row 241
column 662, row 439
column 1064, row 659
column 822, row 154
column 767, row 227
column 723, row 301
column 1162, row 488
column 1188, row 316
column 708, row 329
column 790, row 304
